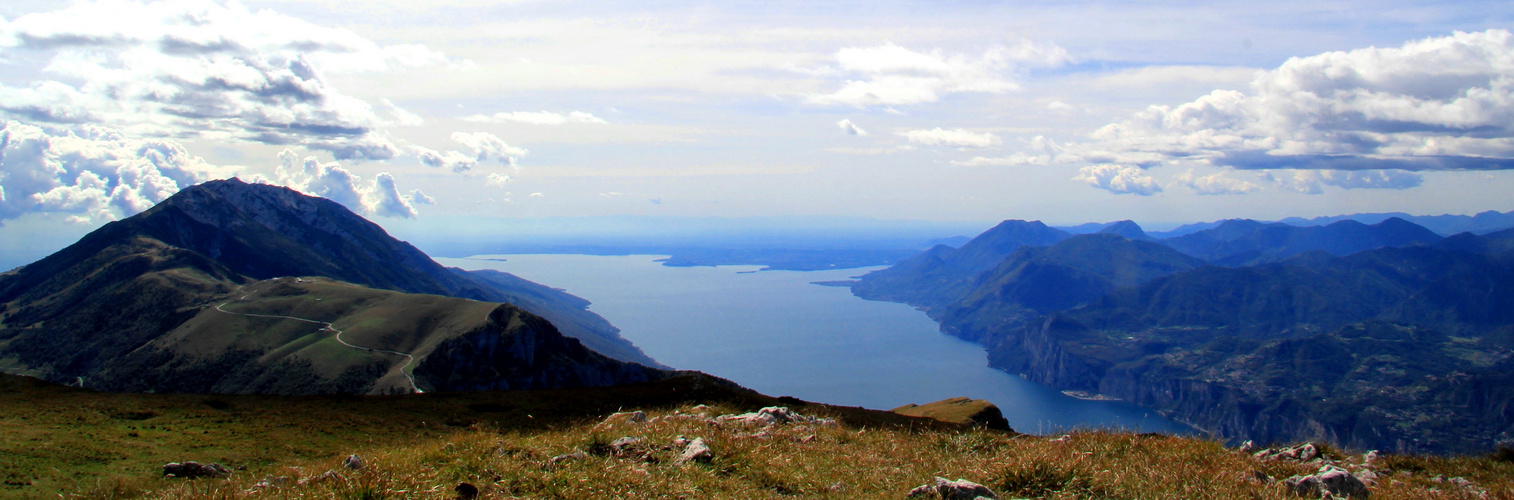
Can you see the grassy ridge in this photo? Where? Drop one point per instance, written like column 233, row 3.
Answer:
column 94, row 445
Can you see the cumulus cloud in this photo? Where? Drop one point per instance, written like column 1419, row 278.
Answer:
column 455, row 161
column 850, row 128
column 537, row 118
column 889, row 75
column 1214, row 184
column 331, row 181
column 1119, row 179
column 1443, row 103
column 487, row 147
column 959, row 138
column 196, row 68
column 497, row 180
column 92, row 172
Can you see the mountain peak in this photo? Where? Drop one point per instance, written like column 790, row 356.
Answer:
column 1127, row 228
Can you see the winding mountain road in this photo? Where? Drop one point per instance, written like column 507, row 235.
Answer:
column 326, row 326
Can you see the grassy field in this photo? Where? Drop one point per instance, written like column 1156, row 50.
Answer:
column 83, row 444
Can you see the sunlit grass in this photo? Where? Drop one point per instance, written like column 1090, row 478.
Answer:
column 805, row 461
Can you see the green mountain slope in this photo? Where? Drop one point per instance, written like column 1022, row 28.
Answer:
column 171, row 300
column 262, row 232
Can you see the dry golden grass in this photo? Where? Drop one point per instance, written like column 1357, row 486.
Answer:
column 806, row 461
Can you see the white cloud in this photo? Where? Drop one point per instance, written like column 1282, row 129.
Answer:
column 1119, row 179
column 416, row 197
column 955, row 138
column 537, row 195
column 1444, row 103
column 1039, row 150
column 195, row 68
column 452, row 160
column 1312, row 181
column 497, row 180
column 891, row 75
column 92, row 172
column 1214, row 184
column 487, row 147
column 850, row 128
column 537, row 118
column 387, row 200
column 329, row 180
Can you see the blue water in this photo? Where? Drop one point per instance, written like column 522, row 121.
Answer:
column 776, row 333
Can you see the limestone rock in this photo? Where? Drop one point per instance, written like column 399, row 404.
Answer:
column 696, row 451
column 945, row 489
column 577, row 455
column 192, row 470
column 1330, row 479
column 1301, row 453
column 774, row 415
column 629, row 447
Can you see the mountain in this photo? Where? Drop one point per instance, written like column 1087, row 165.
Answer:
column 1245, row 242
column 1126, row 228
column 168, row 300
column 942, row 273
column 1341, row 333
column 1343, row 349
column 1481, row 223
column 1040, row 280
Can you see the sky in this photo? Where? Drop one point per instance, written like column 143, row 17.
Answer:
column 420, row 112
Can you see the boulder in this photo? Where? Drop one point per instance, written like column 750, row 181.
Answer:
column 960, row 489
column 192, row 470
column 353, row 462
column 1330, row 479
column 696, row 451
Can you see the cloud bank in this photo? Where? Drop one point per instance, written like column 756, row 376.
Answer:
column 194, row 68
column 957, row 138
column 537, row 118
column 890, row 75
column 93, row 173
column 1361, row 119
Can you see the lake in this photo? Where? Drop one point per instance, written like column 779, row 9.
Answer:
column 775, row 332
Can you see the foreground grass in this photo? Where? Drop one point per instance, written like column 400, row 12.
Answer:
column 800, row 460
column 409, row 450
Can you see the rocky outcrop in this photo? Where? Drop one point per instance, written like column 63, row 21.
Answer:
column 515, row 349
column 959, row 410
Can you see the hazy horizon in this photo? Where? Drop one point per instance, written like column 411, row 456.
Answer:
column 416, row 114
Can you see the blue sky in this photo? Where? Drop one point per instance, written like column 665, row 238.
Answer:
column 1062, row 111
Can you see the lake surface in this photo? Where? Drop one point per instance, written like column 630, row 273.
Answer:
column 778, row 334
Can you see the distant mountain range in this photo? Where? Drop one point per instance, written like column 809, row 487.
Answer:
column 214, row 290
column 1446, row 224
column 1371, row 336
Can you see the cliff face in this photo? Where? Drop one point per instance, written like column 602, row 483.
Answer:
column 1373, row 385
column 1392, row 348
column 517, row 350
